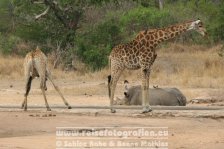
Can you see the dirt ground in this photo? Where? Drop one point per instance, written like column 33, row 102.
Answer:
column 36, row 128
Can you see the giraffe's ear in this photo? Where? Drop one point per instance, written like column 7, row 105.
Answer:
column 198, row 21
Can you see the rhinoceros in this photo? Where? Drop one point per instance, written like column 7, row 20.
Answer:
column 157, row 96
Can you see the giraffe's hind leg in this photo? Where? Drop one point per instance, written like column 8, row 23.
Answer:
column 145, row 91
column 28, row 86
column 58, row 90
column 45, row 84
column 112, row 83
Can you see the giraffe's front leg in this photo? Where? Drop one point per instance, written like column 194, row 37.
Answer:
column 42, row 87
column 58, row 90
column 24, row 104
column 145, row 91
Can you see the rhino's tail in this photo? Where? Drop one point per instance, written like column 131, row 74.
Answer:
column 109, row 89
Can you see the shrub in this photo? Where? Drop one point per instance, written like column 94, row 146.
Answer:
column 142, row 18
column 94, row 45
column 8, row 44
column 216, row 26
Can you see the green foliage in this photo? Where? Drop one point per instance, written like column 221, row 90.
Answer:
column 8, row 44
column 216, row 27
column 142, row 18
column 95, row 39
column 5, row 15
column 209, row 11
column 95, row 57
column 94, row 45
column 34, row 33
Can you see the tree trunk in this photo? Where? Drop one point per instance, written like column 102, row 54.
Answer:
column 159, row 4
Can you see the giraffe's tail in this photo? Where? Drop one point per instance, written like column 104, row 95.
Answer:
column 109, row 79
column 109, row 82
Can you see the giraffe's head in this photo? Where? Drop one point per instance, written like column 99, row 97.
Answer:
column 198, row 26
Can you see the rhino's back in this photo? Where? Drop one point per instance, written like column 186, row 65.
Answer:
column 167, row 97
column 158, row 96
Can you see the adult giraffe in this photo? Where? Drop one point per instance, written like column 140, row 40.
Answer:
column 140, row 54
column 35, row 65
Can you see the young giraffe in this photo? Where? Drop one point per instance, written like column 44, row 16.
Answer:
column 140, row 54
column 35, row 65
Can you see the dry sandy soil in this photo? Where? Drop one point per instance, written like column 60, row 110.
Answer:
column 36, row 128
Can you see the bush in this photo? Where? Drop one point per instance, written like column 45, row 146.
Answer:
column 145, row 18
column 95, row 45
column 210, row 12
column 95, row 39
column 8, row 44
column 216, row 26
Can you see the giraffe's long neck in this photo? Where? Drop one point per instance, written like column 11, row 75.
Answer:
column 172, row 31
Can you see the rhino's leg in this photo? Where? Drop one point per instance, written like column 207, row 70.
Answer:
column 145, row 90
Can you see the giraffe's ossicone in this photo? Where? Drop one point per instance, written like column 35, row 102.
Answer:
column 140, row 54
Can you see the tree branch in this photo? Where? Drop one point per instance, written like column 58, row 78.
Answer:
column 58, row 54
column 42, row 14
column 37, row 2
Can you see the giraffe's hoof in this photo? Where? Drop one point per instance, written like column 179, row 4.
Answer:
column 112, row 110
column 23, row 106
column 48, row 109
column 147, row 110
column 25, row 109
column 69, row 107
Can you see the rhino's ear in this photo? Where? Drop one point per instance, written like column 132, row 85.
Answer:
column 126, row 81
column 126, row 85
column 126, row 94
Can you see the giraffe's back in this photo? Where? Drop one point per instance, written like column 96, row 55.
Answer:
column 35, row 63
column 125, row 56
column 132, row 55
